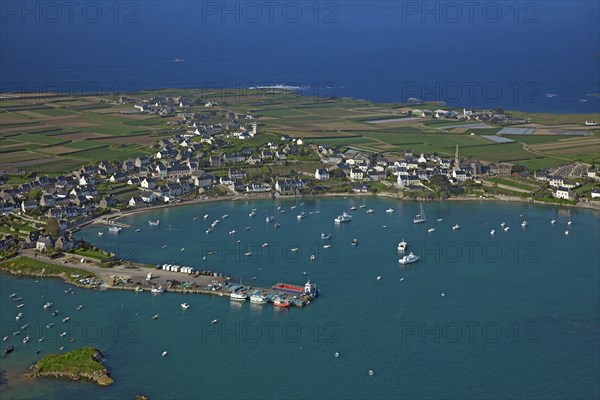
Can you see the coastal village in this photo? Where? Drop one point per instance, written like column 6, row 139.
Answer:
column 205, row 157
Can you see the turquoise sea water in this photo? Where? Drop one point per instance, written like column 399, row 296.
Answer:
column 519, row 319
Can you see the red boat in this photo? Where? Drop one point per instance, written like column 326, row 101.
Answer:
column 281, row 303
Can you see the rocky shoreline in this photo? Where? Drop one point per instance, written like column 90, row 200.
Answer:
column 101, row 377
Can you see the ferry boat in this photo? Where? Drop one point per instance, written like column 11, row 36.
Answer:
column 302, row 215
column 325, row 236
column 420, row 218
column 389, row 210
column 344, row 217
column 47, row 305
column 238, row 296
column 154, row 223
column 157, row 290
column 185, row 306
column 281, row 303
column 258, row 299
column 402, row 245
column 411, row 258
column 114, row 229
column 370, row 211
column 456, row 227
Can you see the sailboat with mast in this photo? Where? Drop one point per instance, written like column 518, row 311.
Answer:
column 420, row 218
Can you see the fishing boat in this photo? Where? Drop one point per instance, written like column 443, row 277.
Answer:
column 420, row 218
column 281, row 303
column 389, row 211
column 524, row 224
column 402, row 245
column 114, row 229
column 431, row 230
column 154, row 223
column 354, row 242
column 238, row 296
column 344, row 217
column 370, row 211
column 5, row 338
column 456, row 227
column 325, row 236
column 157, row 290
column 302, row 215
column 258, row 299
column 410, row 258
column 185, row 306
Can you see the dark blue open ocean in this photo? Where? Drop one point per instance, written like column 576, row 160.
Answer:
column 535, row 56
column 519, row 319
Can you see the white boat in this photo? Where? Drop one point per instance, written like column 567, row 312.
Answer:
column 456, row 227
column 302, row 215
column 258, row 299
column 567, row 233
column 344, row 217
column 591, row 123
column 232, row 232
column 506, row 229
column 492, row 232
column 19, row 316
column 269, row 218
column 370, row 211
column 66, row 319
column 553, row 221
column 185, row 306
column 20, row 305
column 252, row 214
column 570, row 223
column 402, row 245
column 114, row 229
column 79, row 307
column 389, row 211
column 164, row 353
column 157, row 290
column 26, row 339
column 225, row 216
column 440, row 219
column 503, row 224
column 325, row 236
column 353, row 208
column 524, row 224
column 154, row 223
column 313, row 257
column 293, row 207
column 294, row 249
column 265, row 244
column 205, row 216
column 420, row 218
column 401, row 279
column 214, row 321
column 183, row 249
column 208, row 232
column 238, row 296
column 12, row 296
column 100, row 233
column 431, row 230
column 326, row 246
column 410, row 258
column 138, row 229
column 276, row 226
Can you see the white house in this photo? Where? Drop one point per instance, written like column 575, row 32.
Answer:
column 595, row 193
column 564, row 193
column 356, row 174
column 321, row 174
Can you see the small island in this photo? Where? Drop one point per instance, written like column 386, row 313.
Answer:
column 81, row 363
